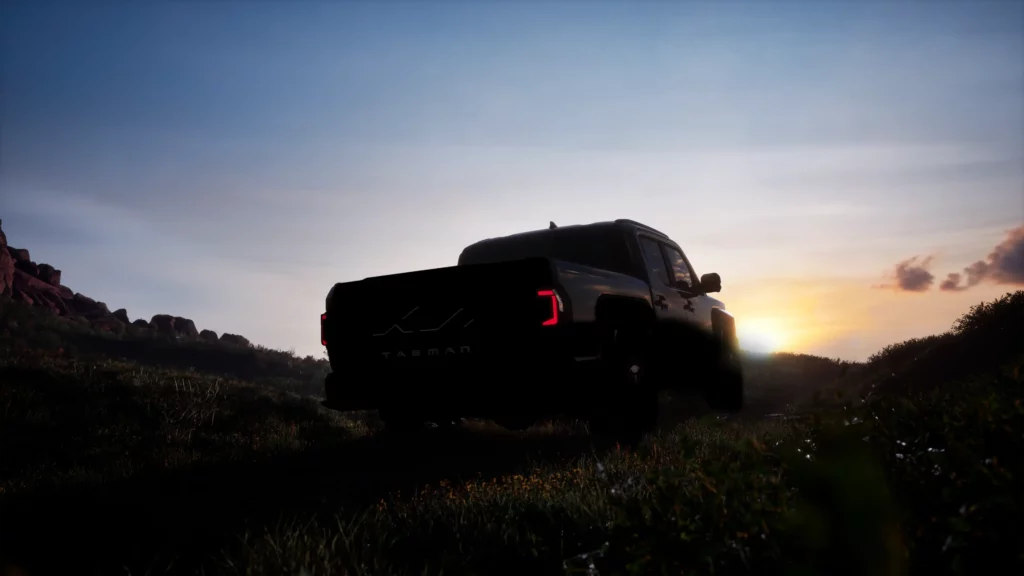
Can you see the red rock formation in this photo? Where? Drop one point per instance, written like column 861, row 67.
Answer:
column 49, row 275
column 85, row 306
column 6, row 266
column 19, row 254
column 39, row 285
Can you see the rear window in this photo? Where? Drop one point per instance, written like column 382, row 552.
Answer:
column 598, row 248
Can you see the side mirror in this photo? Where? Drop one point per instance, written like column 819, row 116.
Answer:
column 711, row 283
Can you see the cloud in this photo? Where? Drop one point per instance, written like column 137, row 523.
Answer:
column 1004, row 265
column 912, row 276
column 952, row 283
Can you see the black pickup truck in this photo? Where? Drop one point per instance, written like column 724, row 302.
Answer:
column 587, row 322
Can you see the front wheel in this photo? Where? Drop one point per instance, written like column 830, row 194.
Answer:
column 727, row 391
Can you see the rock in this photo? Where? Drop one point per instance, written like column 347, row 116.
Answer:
column 27, row 267
column 52, row 301
column 6, row 266
column 85, row 306
column 49, row 274
column 24, row 297
column 185, row 327
column 163, row 323
column 234, row 339
column 28, row 283
column 39, row 285
column 19, row 254
column 175, row 326
column 107, row 324
column 122, row 315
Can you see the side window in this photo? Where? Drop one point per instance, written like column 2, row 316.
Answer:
column 680, row 270
column 655, row 261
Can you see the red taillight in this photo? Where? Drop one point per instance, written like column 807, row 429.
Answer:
column 323, row 335
column 550, row 294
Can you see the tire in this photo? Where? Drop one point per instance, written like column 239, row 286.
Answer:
column 727, row 393
column 628, row 409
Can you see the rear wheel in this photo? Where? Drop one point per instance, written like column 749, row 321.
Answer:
column 629, row 409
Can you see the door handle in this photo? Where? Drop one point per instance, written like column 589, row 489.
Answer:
column 660, row 302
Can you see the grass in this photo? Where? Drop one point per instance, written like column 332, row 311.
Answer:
column 911, row 463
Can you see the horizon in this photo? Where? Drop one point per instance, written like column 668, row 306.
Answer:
column 837, row 164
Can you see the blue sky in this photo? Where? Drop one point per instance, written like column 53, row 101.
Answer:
column 228, row 161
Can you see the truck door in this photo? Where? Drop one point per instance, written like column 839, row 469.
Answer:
column 685, row 283
column 670, row 303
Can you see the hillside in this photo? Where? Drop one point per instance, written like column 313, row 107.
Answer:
column 147, row 452
column 160, row 470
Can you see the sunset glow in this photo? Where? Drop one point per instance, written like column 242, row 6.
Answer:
column 762, row 334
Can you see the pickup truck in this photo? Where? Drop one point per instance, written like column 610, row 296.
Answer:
column 585, row 322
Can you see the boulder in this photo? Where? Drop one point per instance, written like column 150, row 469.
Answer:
column 175, row 326
column 122, row 315
column 234, row 339
column 19, row 254
column 163, row 323
column 6, row 266
column 27, row 266
column 49, row 274
column 185, row 327
column 85, row 306
column 141, row 323
column 208, row 336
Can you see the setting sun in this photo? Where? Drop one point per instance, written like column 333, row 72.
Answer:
column 761, row 334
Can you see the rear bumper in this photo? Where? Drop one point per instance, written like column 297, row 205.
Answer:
column 538, row 387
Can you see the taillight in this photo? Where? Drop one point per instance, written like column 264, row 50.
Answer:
column 552, row 314
column 323, row 334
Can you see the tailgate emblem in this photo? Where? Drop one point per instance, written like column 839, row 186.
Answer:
column 397, row 326
column 429, row 352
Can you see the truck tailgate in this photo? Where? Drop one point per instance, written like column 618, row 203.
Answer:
column 431, row 320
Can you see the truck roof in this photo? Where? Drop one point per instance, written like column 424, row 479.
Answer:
column 620, row 224
column 600, row 245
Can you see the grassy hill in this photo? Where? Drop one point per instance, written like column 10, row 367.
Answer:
column 136, row 454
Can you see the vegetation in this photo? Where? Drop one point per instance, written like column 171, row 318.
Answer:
column 23, row 329
column 911, row 463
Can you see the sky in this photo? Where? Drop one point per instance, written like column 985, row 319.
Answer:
column 230, row 161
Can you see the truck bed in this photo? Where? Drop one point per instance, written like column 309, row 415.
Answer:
column 444, row 334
